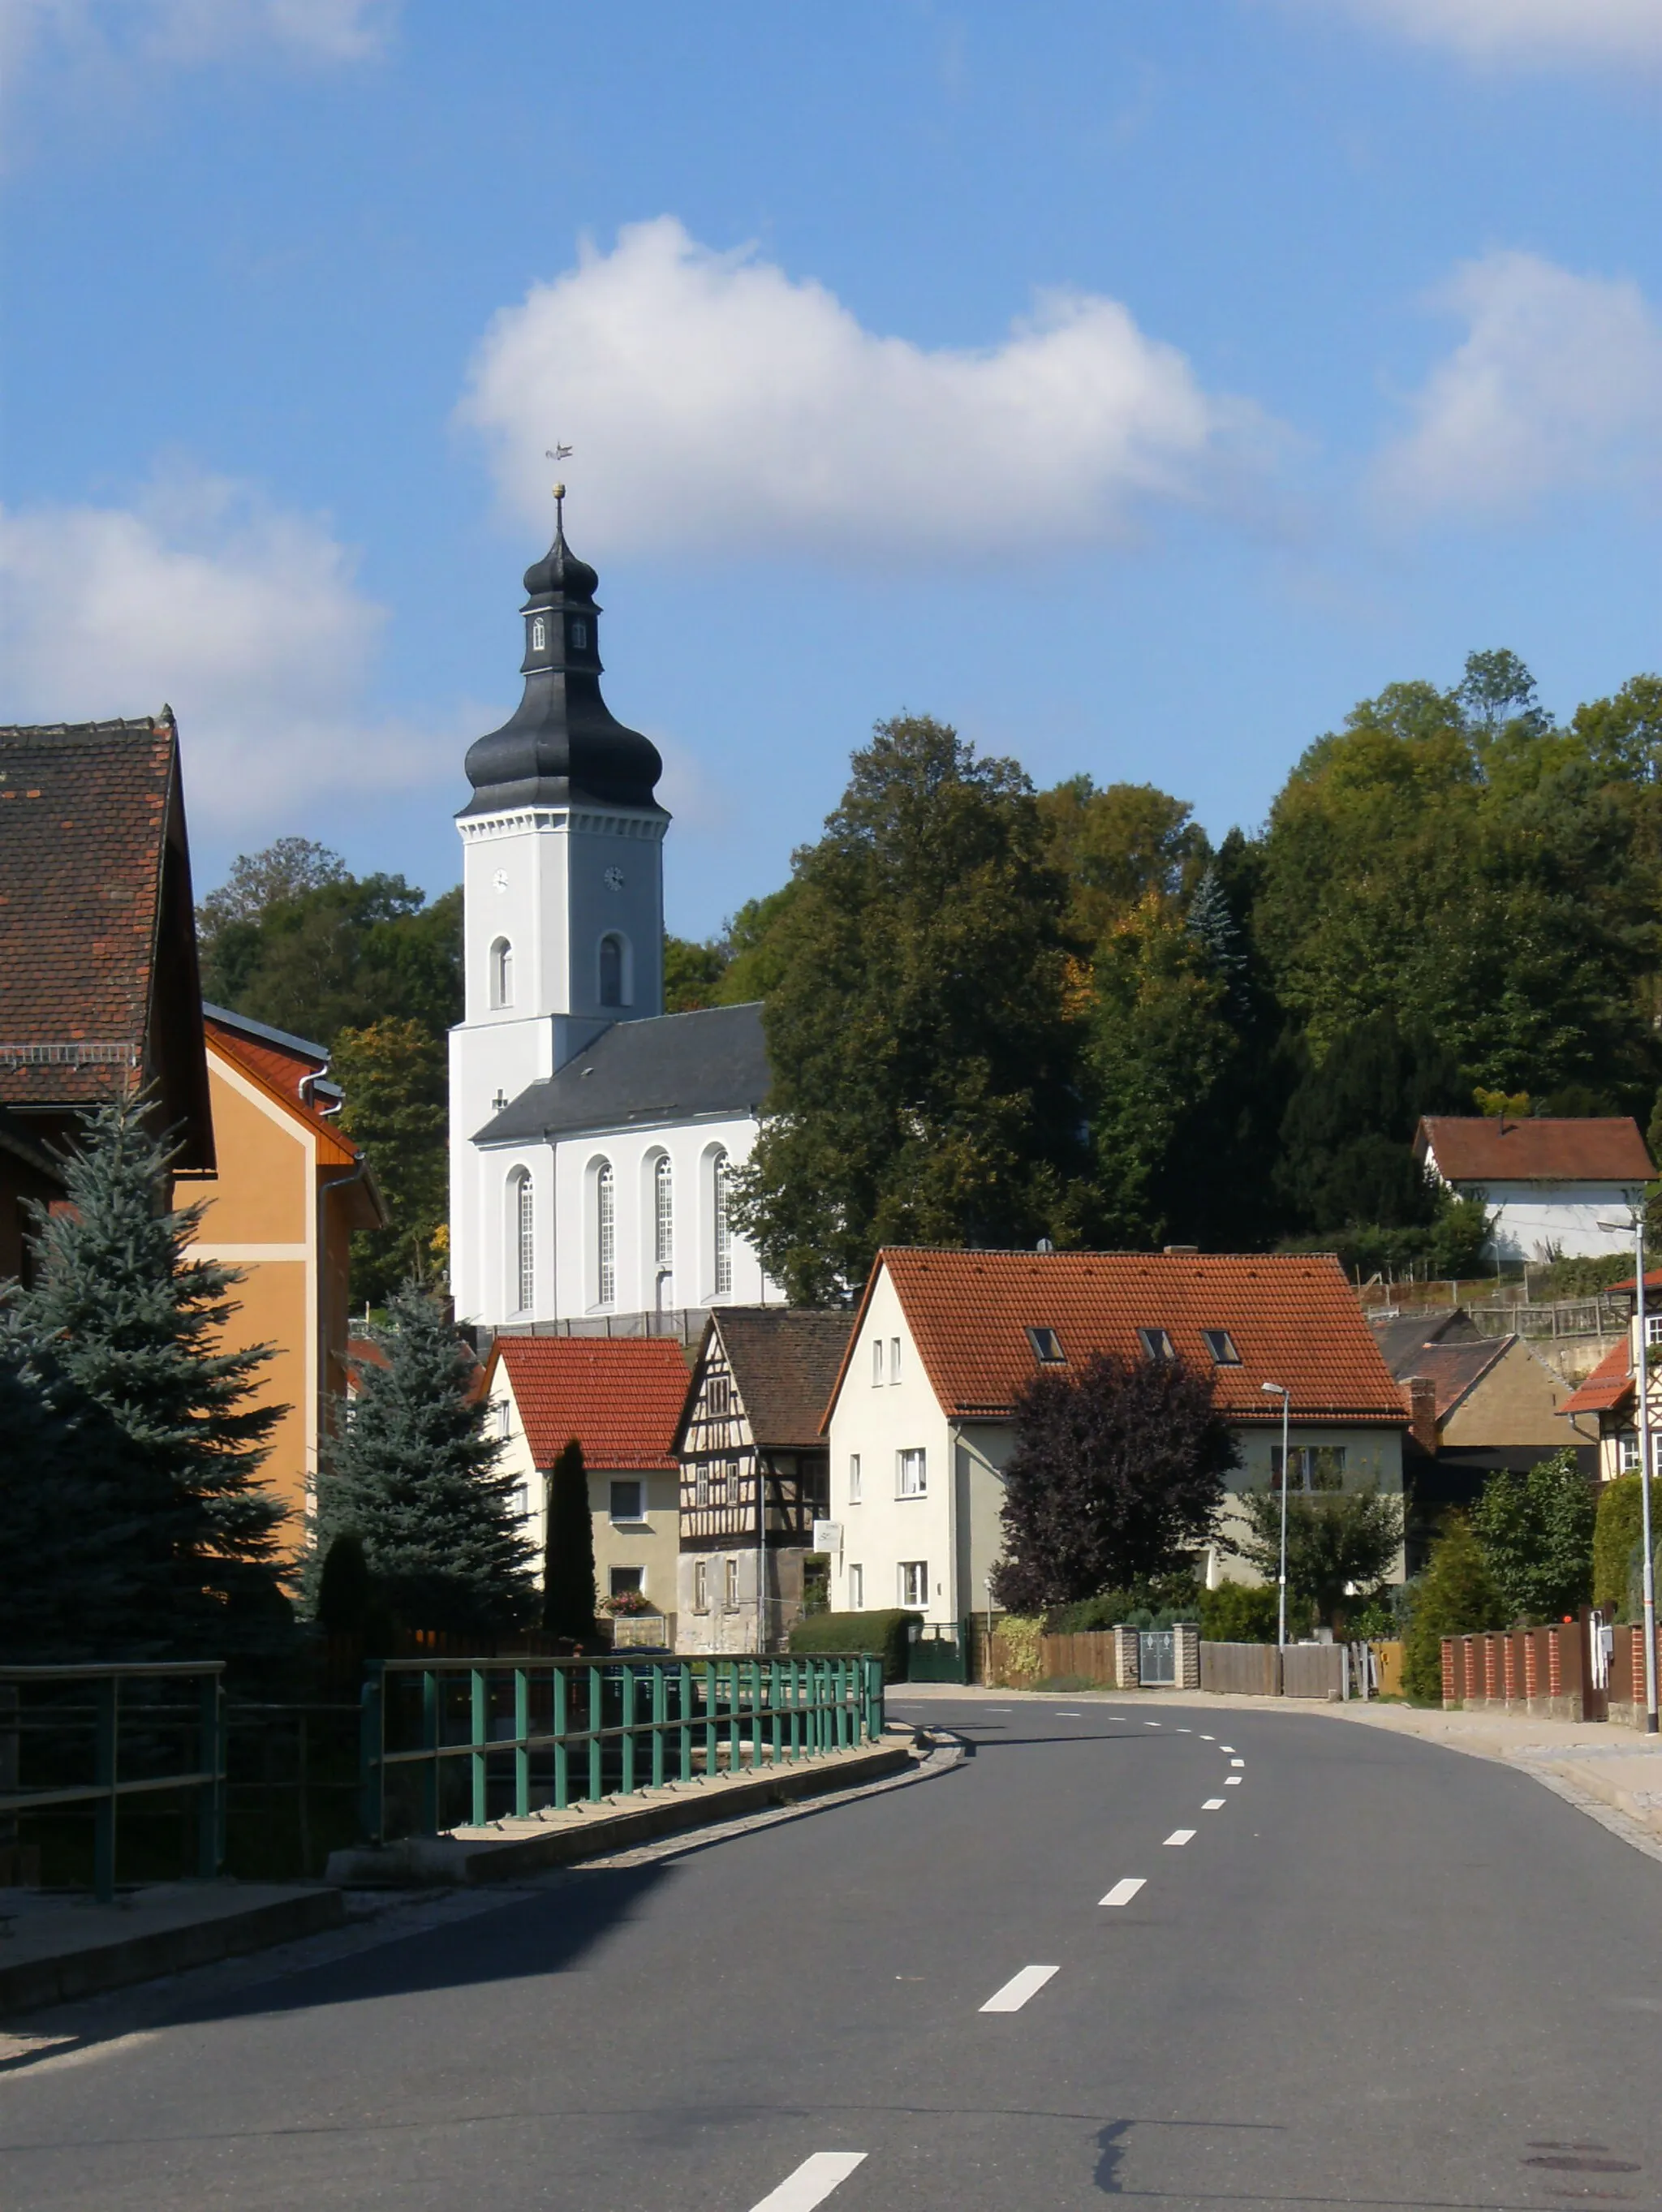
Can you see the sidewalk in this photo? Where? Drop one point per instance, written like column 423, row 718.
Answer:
column 1612, row 1772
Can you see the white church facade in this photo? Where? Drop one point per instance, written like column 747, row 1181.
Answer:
column 592, row 1137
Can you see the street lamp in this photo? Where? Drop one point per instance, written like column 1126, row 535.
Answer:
column 1636, row 1206
column 1278, row 1389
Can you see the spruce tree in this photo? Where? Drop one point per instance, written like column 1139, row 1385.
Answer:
column 413, row 1475
column 126, row 1325
column 569, row 1555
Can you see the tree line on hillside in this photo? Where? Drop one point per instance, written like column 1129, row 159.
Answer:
column 997, row 1013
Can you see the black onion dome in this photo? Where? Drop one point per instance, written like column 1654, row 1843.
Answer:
column 563, row 742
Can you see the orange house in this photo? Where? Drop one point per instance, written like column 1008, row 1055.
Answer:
column 287, row 1192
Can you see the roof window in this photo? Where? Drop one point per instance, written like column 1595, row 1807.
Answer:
column 1047, row 1347
column 1157, row 1344
column 1222, row 1345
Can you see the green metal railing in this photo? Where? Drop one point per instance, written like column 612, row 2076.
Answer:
column 138, row 1735
column 448, row 1742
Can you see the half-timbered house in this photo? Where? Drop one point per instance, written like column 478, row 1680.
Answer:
column 755, row 1472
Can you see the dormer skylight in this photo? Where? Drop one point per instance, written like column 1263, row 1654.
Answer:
column 1157, row 1344
column 1222, row 1345
column 1047, row 1347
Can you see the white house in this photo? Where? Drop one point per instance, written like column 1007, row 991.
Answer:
column 1559, row 1189
column 592, row 1136
column 922, row 1418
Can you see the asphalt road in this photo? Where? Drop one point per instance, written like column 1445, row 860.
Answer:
column 1376, row 1974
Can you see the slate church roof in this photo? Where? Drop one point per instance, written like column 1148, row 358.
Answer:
column 97, row 962
column 664, row 1070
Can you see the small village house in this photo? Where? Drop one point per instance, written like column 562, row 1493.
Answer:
column 921, row 1421
column 280, row 1206
column 752, row 1418
column 99, row 992
column 621, row 1398
column 1557, row 1188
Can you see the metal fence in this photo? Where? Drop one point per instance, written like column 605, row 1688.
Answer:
column 1607, row 1314
column 96, row 1739
column 450, row 1742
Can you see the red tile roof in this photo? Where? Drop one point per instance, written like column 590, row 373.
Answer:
column 1608, row 1388
column 1494, row 1148
column 1292, row 1317
column 619, row 1396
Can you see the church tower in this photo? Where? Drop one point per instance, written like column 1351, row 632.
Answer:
column 562, row 878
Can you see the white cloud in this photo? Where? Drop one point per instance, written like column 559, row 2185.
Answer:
column 246, row 620
column 1529, row 31
column 102, row 32
column 1556, row 387
column 713, row 398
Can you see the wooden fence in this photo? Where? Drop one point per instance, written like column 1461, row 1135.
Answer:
column 1236, row 1670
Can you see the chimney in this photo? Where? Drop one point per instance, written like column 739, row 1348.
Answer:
column 1422, row 1393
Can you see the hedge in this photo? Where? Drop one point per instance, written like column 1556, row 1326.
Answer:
column 887, row 1634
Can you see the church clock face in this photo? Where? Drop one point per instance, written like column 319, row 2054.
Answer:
column 614, row 879
column 499, row 879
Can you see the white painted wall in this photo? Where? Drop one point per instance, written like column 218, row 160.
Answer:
column 1536, row 1218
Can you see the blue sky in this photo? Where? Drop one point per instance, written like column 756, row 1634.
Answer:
column 1136, row 387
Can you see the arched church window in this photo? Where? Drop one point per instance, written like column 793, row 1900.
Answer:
column 523, row 1225
column 501, row 973
column 723, row 1228
column 606, row 1235
column 539, row 635
column 663, row 1212
column 612, row 971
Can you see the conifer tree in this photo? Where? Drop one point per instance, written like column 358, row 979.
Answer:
column 123, row 1324
column 413, row 1475
column 569, row 1568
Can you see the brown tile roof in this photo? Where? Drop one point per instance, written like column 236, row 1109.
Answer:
column 619, row 1396
column 1292, row 1317
column 1608, row 1388
column 784, row 1360
column 1492, row 1148
column 1454, row 1371
column 83, row 820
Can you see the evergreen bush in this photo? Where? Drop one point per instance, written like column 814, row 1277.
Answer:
column 568, row 1604
column 1455, row 1597
column 886, row 1634
column 413, row 1474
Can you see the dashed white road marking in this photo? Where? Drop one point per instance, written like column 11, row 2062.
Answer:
column 1070, row 1716
column 1209, row 1739
column 813, row 2181
column 1151, row 1724
column 1124, row 1891
column 1181, row 1836
column 1185, row 1731
column 1232, row 1781
column 1238, row 1762
column 1015, row 1992
column 1214, row 1805
column 1225, row 1747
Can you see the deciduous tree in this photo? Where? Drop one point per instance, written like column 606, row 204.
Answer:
column 1536, row 1532
column 1337, row 1541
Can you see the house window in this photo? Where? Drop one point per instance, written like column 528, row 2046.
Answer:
column 612, row 971
column 627, row 1581
column 504, row 1421
column 724, row 1230
column 854, row 1478
column 720, row 1397
column 1313, row 1466
column 523, row 1223
column 877, row 1361
column 1047, row 1347
column 914, row 1475
column 1156, row 1344
column 914, row 1579
column 1627, row 1452
column 701, row 1486
column 732, row 1566
column 1653, row 1329
column 627, row 1503
column 894, row 1359
column 701, row 1585
column 580, row 637
column 605, row 1234
column 539, row 635
column 520, row 1501
column 857, row 1588
column 1222, row 1345
column 501, row 973
column 663, row 1212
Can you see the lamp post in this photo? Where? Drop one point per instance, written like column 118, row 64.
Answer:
column 1280, row 1390
column 1636, row 1203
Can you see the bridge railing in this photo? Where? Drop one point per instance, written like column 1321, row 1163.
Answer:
column 448, row 1742
column 98, row 1738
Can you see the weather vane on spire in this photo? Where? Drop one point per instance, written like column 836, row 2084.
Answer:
column 557, row 453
